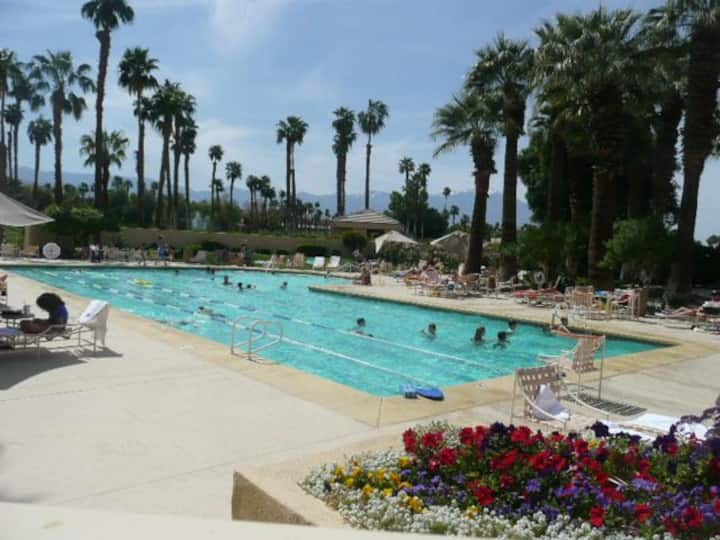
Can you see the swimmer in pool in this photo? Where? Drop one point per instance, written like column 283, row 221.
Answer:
column 284, row 285
column 226, row 280
column 430, row 331
column 512, row 326
column 502, row 340
column 479, row 337
column 360, row 327
column 240, row 286
column 250, row 286
column 212, row 314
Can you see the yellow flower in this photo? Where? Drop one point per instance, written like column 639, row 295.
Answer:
column 405, row 462
column 471, row 512
column 404, row 485
column 395, row 478
column 368, row 490
column 388, row 492
column 380, row 475
column 357, row 472
column 594, row 443
column 416, row 505
column 339, row 472
column 349, row 482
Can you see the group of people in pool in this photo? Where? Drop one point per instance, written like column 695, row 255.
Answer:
column 503, row 337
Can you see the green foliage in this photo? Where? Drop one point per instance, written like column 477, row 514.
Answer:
column 312, row 250
column 353, row 240
column 638, row 245
column 78, row 223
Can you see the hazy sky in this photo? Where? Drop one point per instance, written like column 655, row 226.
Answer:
column 252, row 62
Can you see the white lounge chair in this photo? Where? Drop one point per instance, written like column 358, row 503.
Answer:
column 318, row 263
column 298, row 261
column 334, row 263
column 580, row 360
column 648, row 425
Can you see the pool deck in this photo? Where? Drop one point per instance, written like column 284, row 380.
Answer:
column 158, row 422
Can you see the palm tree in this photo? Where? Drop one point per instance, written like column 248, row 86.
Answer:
column 14, row 117
column 423, row 172
column 183, row 118
column 56, row 73
column 253, row 183
column 467, row 121
column 83, row 190
column 106, row 16
column 112, row 152
column 8, row 68
column 371, row 121
column 24, row 89
column 292, row 131
column 446, row 193
column 345, row 136
column 233, row 172
column 187, row 148
column 136, row 76
column 594, row 58
column 39, row 132
column 700, row 21
column 268, row 194
column 162, row 108
column 215, row 153
column 454, row 212
column 504, row 72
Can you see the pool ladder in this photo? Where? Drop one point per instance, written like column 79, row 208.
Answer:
column 261, row 335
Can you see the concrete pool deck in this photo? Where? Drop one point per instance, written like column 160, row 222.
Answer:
column 159, row 421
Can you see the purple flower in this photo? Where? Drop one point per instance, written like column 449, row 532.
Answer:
column 533, row 485
column 643, row 485
column 459, row 479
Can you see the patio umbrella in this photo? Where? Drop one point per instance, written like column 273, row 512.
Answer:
column 455, row 243
column 16, row 214
column 390, row 237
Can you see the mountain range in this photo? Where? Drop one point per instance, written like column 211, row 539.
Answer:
column 354, row 201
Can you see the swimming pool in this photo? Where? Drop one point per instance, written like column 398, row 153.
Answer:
column 317, row 327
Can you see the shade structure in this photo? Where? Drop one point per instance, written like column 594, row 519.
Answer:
column 392, row 237
column 16, row 214
column 367, row 220
column 455, row 243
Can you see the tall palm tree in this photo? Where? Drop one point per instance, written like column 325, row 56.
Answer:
column 57, row 74
column 106, row 16
column 268, row 194
column 253, row 183
column 112, row 152
column 39, row 132
column 136, row 75
column 700, row 21
column 291, row 131
column 162, row 108
column 344, row 125
column 468, row 121
column 504, row 72
column 83, row 190
column 13, row 117
column 233, row 172
column 454, row 212
column 187, row 148
column 423, row 173
column 406, row 166
column 446, row 193
column 594, row 58
column 183, row 118
column 24, row 89
column 215, row 153
column 8, row 68
column 372, row 121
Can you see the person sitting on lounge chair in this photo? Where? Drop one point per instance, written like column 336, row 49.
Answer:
column 58, row 314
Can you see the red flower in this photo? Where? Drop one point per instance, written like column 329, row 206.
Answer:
column 484, row 495
column 644, row 465
column 597, row 516
column 613, row 494
column 581, row 446
column 467, row 436
column 540, row 460
column 522, row 435
column 642, row 512
column 560, row 464
column 507, row 481
column 671, row 526
column 716, row 506
column 505, row 461
column 693, row 518
column 434, row 464
column 671, row 448
column 557, row 437
column 432, row 439
column 410, row 441
column 448, row 456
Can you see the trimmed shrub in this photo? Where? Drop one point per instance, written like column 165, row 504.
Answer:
column 311, row 250
column 353, row 240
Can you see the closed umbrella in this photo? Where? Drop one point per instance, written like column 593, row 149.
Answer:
column 16, row 214
column 455, row 243
column 392, row 237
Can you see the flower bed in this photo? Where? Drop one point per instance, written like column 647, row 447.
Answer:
column 515, row 483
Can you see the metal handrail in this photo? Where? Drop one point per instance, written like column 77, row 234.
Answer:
column 257, row 330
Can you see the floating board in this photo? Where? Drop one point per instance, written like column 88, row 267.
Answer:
column 409, row 391
column 429, row 392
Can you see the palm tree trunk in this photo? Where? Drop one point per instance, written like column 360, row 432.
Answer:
column 698, row 136
column 212, row 191
column 16, row 134
column 288, row 186
column 57, row 135
column 37, row 173
column 176, row 174
column 103, row 37
column 140, row 166
column 473, row 262
column 665, row 162
column 508, row 261
column 3, row 156
column 168, row 184
column 10, row 153
column 187, row 191
column 338, row 180
column 159, row 205
column 368, row 151
column 105, row 184
column 232, row 190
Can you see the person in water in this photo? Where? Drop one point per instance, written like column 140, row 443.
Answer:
column 284, row 285
column 479, row 337
column 360, row 327
column 240, row 286
column 212, row 314
column 250, row 286
column 55, row 307
column 512, row 326
column 502, row 340
column 226, row 280
column 430, row 331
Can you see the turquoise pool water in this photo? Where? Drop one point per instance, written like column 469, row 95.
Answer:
column 317, row 326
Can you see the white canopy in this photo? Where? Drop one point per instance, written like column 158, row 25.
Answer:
column 392, row 236
column 455, row 243
column 16, row 214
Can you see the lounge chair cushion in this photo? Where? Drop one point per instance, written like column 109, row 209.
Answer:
column 548, row 402
column 10, row 332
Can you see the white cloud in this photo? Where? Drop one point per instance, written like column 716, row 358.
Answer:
column 315, row 85
column 239, row 23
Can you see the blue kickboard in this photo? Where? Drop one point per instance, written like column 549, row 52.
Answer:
column 429, row 392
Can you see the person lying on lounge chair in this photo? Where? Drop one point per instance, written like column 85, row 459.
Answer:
column 58, row 314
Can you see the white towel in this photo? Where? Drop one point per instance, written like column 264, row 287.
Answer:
column 548, row 402
column 95, row 317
